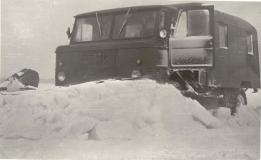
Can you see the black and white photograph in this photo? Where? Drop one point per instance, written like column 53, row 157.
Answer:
column 130, row 80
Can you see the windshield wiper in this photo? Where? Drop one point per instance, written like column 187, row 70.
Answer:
column 125, row 20
column 99, row 24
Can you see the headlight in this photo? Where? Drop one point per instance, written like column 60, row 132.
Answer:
column 138, row 61
column 61, row 76
column 136, row 74
column 163, row 33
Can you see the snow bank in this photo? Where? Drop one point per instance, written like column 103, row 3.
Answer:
column 113, row 109
column 254, row 99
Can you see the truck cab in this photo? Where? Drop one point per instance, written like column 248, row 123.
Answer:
column 200, row 48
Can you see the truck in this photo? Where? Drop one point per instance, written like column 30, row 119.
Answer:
column 205, row 53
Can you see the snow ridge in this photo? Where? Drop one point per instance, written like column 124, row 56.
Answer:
column 109, row 110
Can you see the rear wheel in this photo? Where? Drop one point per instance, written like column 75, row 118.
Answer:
column 237, row 100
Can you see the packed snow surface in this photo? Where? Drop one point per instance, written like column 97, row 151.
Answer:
column 142, row 119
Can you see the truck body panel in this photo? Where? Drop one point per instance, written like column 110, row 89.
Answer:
column 224, row 55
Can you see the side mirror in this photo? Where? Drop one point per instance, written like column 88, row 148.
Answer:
column 68, row 32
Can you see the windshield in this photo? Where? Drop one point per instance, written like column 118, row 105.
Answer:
column 134, row 25
column 129, row 24
column 92, row 28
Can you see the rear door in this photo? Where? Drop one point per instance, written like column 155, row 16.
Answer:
column 192, row 43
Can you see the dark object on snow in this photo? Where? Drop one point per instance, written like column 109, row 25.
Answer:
column 28, row 77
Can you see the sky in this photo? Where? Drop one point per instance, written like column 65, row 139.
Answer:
column 32, row 29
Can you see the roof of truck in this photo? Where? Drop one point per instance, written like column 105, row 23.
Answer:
column 231, row 19
column 235, row 21
column 173, row 6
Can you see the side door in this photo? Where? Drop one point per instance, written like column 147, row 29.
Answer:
column 191, row 45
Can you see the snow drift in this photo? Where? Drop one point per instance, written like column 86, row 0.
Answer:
column 113, row 109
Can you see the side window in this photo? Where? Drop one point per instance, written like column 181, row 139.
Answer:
column 250, row 44
column 193, row 23
column 198, row 22
column 223, row 35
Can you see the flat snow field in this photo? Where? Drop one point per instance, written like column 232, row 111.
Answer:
column 138, row 119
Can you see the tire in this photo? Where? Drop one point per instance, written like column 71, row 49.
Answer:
column 238, row 103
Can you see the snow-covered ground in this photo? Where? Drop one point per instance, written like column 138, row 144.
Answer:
column 124, row 120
